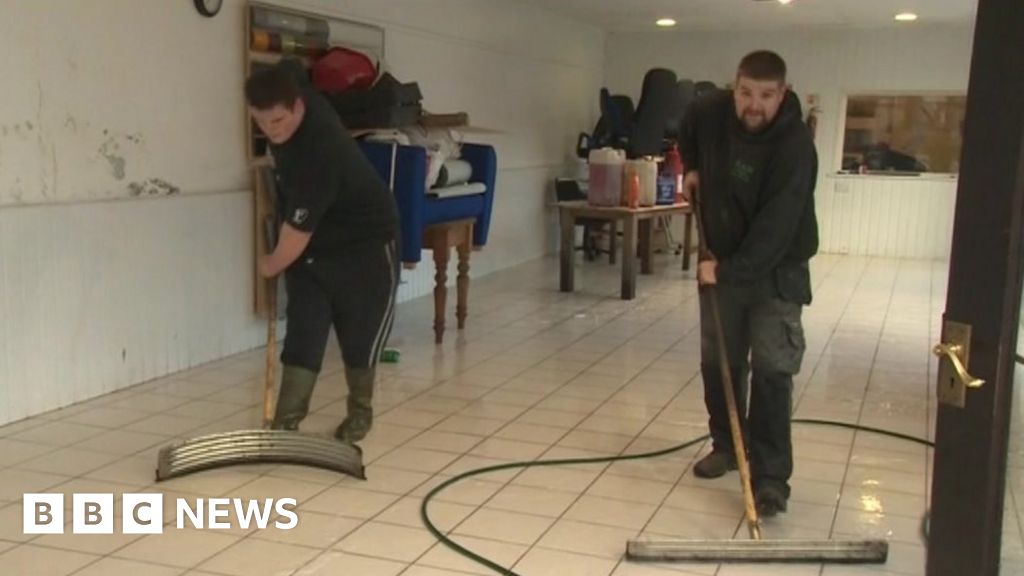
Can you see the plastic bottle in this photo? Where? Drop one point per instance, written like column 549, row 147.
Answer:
column 634, row 190
column 679, row 187
column 647, row 167
column 605, row 176
column 674, row 164
column 666, row 193
column 627, row 176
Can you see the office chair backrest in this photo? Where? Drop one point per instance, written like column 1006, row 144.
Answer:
column 704, row 87
column 613, row 128
column 684, row 97
column 603, row 129
column 657, row 105
column 687, row 92
column 622, row 107
column 617, row 118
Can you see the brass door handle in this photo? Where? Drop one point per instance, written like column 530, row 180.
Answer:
column 953, row 352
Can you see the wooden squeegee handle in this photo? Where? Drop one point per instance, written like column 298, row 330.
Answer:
column 753, row 522
column 271, row 311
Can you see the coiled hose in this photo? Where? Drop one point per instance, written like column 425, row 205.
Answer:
column 466, row 552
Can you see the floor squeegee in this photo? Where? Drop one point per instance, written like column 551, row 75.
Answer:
column 757, row 549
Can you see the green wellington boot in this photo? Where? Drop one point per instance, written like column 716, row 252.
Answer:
column 360, row 405
column 293, row 399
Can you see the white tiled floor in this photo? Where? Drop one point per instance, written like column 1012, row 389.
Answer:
column 537, row 374
column 1013, row 516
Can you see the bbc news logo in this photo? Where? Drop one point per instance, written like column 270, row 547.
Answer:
column 144, row 513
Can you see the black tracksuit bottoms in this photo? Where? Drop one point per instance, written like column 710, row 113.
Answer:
column 354, row 292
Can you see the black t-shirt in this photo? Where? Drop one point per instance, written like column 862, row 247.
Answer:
column 327, row 186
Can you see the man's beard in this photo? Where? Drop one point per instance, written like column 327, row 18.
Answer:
column 754, row 122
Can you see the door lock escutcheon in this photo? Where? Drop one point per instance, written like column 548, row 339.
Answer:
column 954, row 354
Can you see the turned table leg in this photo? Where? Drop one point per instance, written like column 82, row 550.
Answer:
column 440, row 250
column 464, row 247
column 629, row 258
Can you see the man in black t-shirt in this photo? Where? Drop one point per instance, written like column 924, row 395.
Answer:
column 336, row 246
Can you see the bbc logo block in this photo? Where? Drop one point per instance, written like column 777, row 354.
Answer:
column 93, row 514
column 43, row 514
column 144, row 513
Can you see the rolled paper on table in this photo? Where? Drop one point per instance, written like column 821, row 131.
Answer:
column 454, row 172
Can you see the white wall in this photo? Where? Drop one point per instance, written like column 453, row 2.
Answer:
column 100, row 289
column 829, row 63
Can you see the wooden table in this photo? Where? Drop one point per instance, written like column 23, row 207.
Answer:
column 634, row 221
column 440, row 239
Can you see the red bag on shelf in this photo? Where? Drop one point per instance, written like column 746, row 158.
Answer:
column 343, row 69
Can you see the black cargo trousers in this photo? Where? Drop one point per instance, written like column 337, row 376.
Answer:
column 763, row 334
column 354, row 292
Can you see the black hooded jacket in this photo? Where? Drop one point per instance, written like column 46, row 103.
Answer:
column 756, row 193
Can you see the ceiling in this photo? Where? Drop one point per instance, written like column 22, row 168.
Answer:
column 639, row 15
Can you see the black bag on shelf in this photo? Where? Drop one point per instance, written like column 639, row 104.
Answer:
column 387, row 104
column 390, row 117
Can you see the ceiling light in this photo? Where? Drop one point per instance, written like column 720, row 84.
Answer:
column 785, row 1
column 905, row 17
column 665, row 22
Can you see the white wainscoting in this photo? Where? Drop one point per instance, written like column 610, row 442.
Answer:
column 900, row 217
column 98, row 296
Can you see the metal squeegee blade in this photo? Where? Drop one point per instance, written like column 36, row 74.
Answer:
column 258, row 446
column 816, row 551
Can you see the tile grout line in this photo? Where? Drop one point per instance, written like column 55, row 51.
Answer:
column 575, row 427
column 637, row 437
column 867, row 387
column 552, row 393
column 570, row 317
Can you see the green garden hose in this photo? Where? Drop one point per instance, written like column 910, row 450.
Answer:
column 466, row 552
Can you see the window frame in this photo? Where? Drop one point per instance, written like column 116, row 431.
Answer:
column 840, row 138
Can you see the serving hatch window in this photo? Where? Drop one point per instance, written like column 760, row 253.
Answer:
column 901, row 134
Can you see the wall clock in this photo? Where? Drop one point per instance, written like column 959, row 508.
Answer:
column 208, row 8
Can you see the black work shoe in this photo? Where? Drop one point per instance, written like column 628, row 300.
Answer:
column 714, row 465
column 770, row 501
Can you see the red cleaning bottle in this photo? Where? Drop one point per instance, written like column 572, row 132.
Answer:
column 634, row 190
